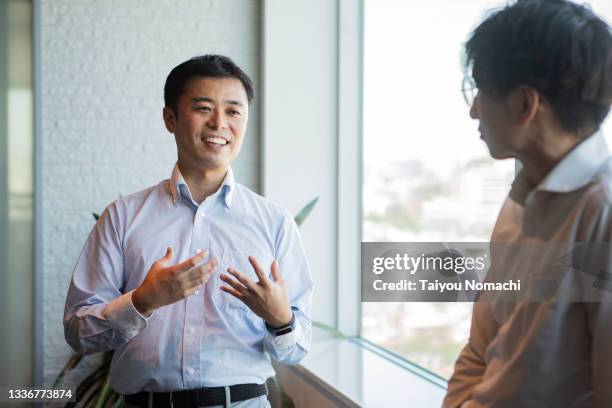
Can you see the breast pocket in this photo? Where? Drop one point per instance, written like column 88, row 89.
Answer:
column 238, row 317
column 238, row 260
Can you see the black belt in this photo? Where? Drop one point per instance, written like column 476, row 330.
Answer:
column 201, row 397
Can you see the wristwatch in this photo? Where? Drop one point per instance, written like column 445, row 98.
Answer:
column 288, row 328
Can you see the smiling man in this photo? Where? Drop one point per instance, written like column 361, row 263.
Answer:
column 183, row 333
column 543, row 72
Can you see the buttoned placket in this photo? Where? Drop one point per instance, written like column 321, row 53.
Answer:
column 194, row 327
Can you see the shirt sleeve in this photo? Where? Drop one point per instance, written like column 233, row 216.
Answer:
column 292, row 347
column 598, row 265
column 600, row 314
column 98, row 316
column 470, row 365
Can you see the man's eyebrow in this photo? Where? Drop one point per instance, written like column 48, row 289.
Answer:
column 202, row 99
column 207, row 99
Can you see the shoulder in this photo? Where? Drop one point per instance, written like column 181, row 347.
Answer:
column 507, row 226
column 261, row 205
column 131, row 203
column 597, row 195
column 601, row 188
column 596, row 206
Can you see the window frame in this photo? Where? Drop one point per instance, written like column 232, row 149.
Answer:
column 350, row 166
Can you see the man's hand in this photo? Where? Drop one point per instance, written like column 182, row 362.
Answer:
column 268, row 300
column 165, row 284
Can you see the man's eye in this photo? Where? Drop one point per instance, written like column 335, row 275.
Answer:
column 234, row 112
column 204, row 108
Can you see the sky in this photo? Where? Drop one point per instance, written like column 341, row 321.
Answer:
column 413, row 106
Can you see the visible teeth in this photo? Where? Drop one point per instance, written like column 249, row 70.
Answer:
column 216, row 140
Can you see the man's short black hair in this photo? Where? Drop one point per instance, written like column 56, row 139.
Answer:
column 215, row 66
column 559, row 48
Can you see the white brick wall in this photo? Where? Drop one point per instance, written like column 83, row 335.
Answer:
column 104, row 64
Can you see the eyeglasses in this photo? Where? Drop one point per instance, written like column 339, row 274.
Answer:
column 469, row 90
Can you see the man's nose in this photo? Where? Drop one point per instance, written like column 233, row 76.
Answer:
column 474, row 108
column 217, row 120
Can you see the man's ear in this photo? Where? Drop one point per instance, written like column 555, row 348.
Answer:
column 526, row 103
column 169, row 119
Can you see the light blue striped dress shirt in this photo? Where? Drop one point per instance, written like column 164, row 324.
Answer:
column 211, row 338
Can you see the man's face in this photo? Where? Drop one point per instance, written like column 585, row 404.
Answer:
column 210, row 123
column 496, row 125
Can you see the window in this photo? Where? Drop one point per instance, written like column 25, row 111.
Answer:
column 427, row 176
column 16, row 192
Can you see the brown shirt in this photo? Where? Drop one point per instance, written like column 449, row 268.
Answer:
column 558, row 352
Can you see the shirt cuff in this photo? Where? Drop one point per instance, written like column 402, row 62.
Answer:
column 288, row 339
column 124, row 317
column 284, row 329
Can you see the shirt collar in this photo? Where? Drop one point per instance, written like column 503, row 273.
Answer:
column 227, row 186
column 574, row 171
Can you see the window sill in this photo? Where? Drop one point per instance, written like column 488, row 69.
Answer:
column 354, row 373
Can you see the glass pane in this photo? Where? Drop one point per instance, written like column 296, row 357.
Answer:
column 16, row 193
column 427, row 175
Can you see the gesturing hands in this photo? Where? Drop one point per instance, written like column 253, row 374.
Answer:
column 165, row 284
column 267, row 299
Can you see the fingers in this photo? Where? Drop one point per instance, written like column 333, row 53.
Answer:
column 278, row 278
column 236, row 284
column 168, row 257
column 242, row 278
column 192, row 262
column 203, row 272
column 188, row 291
column 233, row 292
column 188, row 287
column 263, row 279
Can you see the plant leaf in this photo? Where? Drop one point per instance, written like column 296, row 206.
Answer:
column 89, row 382
column 73, row 362
column 104, row 391
column 119, row 401
column 92, row 392
column 305, row 212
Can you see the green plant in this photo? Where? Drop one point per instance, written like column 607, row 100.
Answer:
column 305, row 212
column 95, row 389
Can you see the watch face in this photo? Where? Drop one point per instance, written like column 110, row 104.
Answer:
column 283, row 330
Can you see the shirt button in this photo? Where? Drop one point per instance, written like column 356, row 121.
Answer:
column 192, row 330
column 202, row 214
column 191, row 371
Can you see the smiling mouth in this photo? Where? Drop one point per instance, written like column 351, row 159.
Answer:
column 217, row 141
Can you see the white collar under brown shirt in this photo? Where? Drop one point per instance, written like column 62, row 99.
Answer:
column 554, row 353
